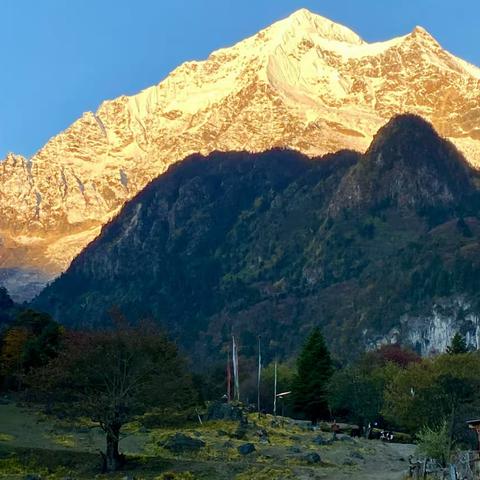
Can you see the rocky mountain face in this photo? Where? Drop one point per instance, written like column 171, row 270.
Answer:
column 303, row 83
column 375, row 247
column 406, row 166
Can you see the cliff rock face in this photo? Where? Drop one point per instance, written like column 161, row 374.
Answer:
column 304, row 83
column 368, row 246
column 432, row 332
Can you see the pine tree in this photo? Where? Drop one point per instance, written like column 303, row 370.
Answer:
column 5, row 300
column 314, row 369
column 459, row 345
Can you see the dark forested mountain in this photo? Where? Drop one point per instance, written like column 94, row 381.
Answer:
column 373, row 248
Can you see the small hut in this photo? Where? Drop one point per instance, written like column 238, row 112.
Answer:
column 475, row 425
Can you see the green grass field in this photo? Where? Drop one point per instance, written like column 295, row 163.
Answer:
column 33, row 444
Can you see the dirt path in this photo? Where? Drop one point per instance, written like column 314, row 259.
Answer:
column 386, row 462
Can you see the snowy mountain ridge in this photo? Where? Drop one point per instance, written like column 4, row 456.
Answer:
column 304, row 83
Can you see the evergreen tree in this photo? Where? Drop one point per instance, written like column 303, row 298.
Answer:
column 459, row 345
column 6, row 308
column 314, row 369
column 5, row 300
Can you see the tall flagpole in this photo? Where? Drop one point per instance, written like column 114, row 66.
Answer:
column 236, row 384
column 259, row 374
column 275, row 392
column 229, row 378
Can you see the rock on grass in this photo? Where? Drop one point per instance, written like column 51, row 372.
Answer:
column 312, row 458
column 180, row 443
column 246, row 448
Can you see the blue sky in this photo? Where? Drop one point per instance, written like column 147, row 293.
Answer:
column 63, row 57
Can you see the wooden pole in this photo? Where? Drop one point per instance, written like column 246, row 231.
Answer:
column 229, row 378
column 259, row 376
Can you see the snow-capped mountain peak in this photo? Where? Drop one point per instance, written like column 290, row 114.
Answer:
column 304, row 82
column 305, row 22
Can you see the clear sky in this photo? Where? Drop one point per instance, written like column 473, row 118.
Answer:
column 60, row 58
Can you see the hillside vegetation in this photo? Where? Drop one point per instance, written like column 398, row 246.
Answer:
column 271, row 244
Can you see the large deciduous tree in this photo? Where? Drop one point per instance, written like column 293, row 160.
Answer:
column 113, row 376
column 445, row 388
column 357, row 392
column 314, row 369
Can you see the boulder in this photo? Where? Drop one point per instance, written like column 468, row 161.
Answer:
column 246, row 449
column 312, row 458
column 224, row 411
column 180, row 443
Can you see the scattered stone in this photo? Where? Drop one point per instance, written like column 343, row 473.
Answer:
column 349, row 462
column 179, row 443
column 246, row 448
column 344, row 438
column 312, row 458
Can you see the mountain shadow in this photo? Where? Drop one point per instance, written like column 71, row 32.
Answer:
column 271, row 244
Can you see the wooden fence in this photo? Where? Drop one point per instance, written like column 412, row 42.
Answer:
column 465, row 466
